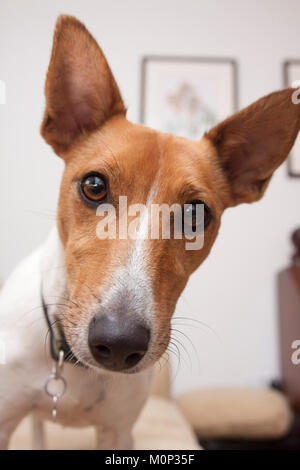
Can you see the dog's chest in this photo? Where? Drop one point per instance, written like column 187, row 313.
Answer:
column 94, row 399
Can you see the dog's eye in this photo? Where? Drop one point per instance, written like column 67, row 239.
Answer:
column 195, row 217
column 93, row 186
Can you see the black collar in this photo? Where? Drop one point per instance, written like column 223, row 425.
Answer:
column 58, row 344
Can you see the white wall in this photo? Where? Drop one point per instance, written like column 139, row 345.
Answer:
column 234, row 291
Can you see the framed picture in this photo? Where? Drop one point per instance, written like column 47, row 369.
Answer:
column 292, row 78
column 187, row 95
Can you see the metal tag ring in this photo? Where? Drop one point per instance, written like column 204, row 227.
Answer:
column 58, row 381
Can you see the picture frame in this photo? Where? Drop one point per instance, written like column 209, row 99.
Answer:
column 187, row 95
column 291, row 74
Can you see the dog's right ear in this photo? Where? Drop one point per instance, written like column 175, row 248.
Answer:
column 81, row 92
column 252, row 143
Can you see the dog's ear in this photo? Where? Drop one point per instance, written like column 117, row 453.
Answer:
column 252, row 143
column 80, row 90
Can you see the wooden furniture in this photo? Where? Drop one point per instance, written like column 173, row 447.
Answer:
column 289, row 319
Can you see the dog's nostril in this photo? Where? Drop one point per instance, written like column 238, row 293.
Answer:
column 103, row 351
column 133, row 359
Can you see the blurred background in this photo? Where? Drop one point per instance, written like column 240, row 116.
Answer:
column 233, row 294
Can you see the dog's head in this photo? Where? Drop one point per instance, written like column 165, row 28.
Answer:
column 123, row 289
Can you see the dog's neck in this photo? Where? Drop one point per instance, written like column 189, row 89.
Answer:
column 54, row 276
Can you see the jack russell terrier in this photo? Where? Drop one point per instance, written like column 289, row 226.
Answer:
column 102, row 307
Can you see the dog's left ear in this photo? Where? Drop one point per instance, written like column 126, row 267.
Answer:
column 251, row 144
column 81, row 93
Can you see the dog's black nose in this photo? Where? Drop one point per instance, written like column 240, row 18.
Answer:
column 117, row 343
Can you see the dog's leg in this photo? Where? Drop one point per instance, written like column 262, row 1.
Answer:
column 114, row 439
column 38, row 435
column 125, row 441
column 14, row 406
column 9, row 420
column 6, row 430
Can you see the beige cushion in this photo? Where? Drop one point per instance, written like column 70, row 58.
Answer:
column 160, row 426
column 236, row 413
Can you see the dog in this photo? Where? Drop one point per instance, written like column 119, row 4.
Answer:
column 106, row 304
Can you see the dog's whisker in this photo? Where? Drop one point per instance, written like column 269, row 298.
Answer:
column 180, row 344
column 199, row 322
column 166, row 360
column 36, row 308
column 190, row 342
column 177, row 354
column 186, row 356
column 93, row 294
column 111, row 152
column 46, row 270
column 67, row 299
column 47, row 214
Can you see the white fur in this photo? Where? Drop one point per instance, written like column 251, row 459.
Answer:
column 109, row 401
column 130, row 283
column 131, row 286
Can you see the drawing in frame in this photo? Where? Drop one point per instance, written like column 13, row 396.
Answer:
column 187, row 95
column 291, row 70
